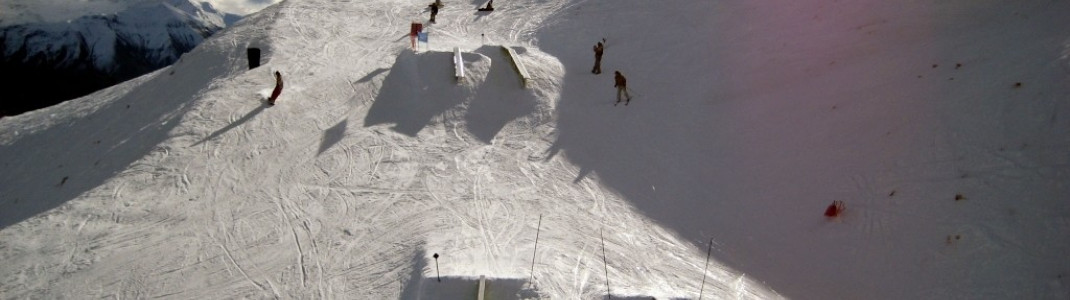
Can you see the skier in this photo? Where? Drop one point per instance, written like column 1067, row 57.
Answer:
column 434, row 12
column 598, row 58
column 490, row 6
column 437, row 3
column 278, row 88
column 622, row 87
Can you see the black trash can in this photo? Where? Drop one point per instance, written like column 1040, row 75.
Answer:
column 254, row 57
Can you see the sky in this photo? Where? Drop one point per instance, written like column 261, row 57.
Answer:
column 28, row 11
column 941, row 126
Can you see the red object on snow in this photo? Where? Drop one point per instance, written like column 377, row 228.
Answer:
column 278, row 88
column 415, row 30
column 834, row 209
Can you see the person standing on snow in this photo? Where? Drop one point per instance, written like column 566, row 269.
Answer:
column 598, row 58
column 437, row 3
column 278, row 88
column 622, row 87
column 434, row 12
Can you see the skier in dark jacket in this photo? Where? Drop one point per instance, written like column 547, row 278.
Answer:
column 434, row 12
column 622, row 87
column 598, row 58
column 278, row 88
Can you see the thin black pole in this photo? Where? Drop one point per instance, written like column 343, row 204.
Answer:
column 437, row 275
column 605, row 262
column 708, row 250
column 537, row 229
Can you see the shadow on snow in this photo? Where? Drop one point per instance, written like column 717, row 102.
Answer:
column 129, row 128
column 420, row 89
column 430, row 287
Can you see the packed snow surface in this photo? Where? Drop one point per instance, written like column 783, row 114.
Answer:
column 943, row 126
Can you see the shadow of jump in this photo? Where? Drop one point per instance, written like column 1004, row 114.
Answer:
column 421, row 88
column 417, row 89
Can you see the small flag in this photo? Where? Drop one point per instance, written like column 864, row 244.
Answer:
column 422, row 36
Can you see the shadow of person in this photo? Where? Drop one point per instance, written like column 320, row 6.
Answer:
column 372, row 74
column 248, row 116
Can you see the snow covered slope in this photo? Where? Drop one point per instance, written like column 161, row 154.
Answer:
column 941, row 124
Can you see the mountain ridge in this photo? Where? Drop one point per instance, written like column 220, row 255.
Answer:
column 96, row 51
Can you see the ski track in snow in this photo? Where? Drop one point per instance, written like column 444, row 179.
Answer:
column 311, row 199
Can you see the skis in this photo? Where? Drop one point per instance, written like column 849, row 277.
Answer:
column 626, row 100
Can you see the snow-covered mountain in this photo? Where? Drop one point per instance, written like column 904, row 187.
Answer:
column 941, row 125
column 95, row 51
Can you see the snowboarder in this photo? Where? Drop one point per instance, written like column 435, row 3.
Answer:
column 622, row 87
column 490, row 6
column 278, row 88
column 434, row 12
column 598, row 58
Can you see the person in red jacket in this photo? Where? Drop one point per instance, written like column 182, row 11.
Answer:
column 278, row 88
